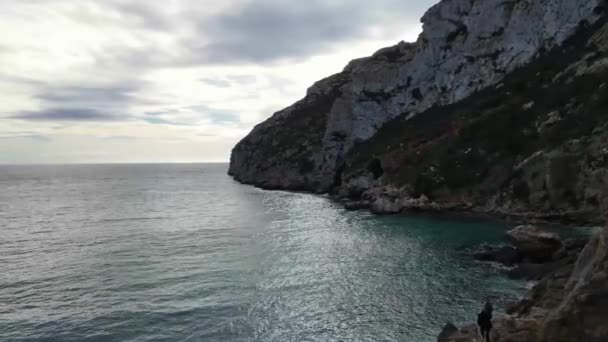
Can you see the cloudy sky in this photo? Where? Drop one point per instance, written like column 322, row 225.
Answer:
column 91, row 81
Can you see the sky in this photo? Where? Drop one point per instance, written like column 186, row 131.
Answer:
column 136, row 81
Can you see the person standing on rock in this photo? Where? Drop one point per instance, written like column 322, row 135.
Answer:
column 484, row 321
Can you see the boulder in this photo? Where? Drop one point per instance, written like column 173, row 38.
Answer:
column 384, row 205
column 448, row 330
column 506, row 255
column 356, row 186
column 583, row 312
column 534, row 244
column 571, row 248
column 356, row 205
column 419, row 203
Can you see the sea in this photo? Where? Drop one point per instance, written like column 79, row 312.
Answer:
column 182, row 252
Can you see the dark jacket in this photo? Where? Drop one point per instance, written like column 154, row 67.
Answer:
column 484, row 320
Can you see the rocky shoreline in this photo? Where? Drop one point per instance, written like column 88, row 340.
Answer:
column 388, row 200
column 567, row 304
column 533, row 254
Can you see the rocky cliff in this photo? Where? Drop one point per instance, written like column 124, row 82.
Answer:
column 569, row 305
column 498, row 107
column 532, row 146
column 466, row 46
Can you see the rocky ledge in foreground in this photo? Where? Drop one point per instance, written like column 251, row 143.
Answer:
column 568, row 305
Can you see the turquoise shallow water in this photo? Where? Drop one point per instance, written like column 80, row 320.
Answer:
column 183, row 253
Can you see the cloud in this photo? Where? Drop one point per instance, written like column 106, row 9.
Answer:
column 38, row 137
column 120, row 137
column 158, row 113
column 264, row 33
column 79, row 105
column 69, row 103
column 217, row 116
column 145, row 14
column 26, row 135
column 216, row 82
column 243, row 79
column 160, row 121
column 220, row 117
column 271, row 30
column 261, row 32
column 210, row 67
column 96, row 95
column 68, row 114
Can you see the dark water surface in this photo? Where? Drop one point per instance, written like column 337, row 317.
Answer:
column 183, row 253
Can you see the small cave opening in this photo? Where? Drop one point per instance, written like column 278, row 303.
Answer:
column 375, row 167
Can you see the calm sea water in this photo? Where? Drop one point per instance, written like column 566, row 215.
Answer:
column 184, row 253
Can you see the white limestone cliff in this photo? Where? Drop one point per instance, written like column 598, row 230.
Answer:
column 465, row 46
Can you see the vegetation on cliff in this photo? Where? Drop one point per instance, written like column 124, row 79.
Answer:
column 534, row 145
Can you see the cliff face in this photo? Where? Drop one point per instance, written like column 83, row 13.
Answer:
column 278, row 154
column 533, row 146
column 466, row 46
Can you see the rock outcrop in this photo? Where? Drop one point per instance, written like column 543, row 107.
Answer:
column 448, row 331
column 568, row 305
column 535, row 244
column 465, row 46
column 506, row 255
column 534, row 253
column 581, row 316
